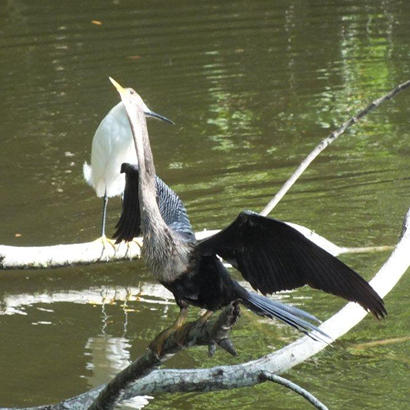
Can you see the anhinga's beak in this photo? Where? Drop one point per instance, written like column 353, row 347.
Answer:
column 119, row 87
column 147, row 111
column 158, row 116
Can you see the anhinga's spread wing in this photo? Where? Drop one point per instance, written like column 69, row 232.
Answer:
column 171, row 208
column 273, row 256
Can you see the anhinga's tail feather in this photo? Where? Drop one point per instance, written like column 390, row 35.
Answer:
column 290, row 315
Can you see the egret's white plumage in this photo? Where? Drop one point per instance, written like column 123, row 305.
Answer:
column 112, row 145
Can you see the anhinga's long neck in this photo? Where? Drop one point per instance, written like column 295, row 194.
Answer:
column 164, row 254
column 150, row 214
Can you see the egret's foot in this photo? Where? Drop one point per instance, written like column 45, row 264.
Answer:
column 131, row 252
column 138, row 242
column 157, row 346
column 107, row 244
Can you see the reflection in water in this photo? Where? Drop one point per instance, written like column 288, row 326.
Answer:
column 146, row 293
column 107, row 356
column 150, row 293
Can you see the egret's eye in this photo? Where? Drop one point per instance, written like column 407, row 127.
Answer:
column 132, row 92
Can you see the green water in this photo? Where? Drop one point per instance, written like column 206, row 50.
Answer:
column 252, row 88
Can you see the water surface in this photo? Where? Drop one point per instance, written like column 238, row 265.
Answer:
column 252, row 87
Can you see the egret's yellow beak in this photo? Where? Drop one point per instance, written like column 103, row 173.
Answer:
column 119, row 88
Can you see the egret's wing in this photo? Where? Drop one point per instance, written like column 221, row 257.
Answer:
column 273, row 256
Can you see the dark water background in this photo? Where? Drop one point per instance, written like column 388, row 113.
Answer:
column 253, row 86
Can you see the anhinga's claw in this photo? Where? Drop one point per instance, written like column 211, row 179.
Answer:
column 157, row 346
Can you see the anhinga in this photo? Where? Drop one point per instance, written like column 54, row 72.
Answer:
column 112, row 145
column 270, row 255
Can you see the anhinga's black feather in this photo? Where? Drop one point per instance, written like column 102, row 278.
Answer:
column 171, row 208
column 273, row 256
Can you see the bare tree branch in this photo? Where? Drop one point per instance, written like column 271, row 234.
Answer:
column 326, row 142
column 32, row 257
column 224, row 377
column 54, row 256
column 293, row 386
column 197, row 333
column 248, row 374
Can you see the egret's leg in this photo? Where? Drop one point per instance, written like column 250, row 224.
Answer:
column 105, row 241
column 104, row 213
column 158, row 344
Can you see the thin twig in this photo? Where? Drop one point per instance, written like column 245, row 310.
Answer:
column 294, row 387
column 324, row 143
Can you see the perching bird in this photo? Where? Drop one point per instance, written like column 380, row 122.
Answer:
column 175, row 216
column 271, row 255
column 112, row 145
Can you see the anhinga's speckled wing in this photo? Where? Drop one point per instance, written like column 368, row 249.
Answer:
column 273, row 256
column 170, row 206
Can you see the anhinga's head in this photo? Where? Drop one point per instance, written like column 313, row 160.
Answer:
column 131, row 99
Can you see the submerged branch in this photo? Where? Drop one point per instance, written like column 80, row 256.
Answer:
column 326, row 142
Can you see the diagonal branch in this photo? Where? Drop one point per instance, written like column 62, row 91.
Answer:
column 326, row 142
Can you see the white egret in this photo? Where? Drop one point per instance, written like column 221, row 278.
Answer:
column 112, row 145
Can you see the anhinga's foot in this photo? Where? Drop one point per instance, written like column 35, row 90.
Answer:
column 157, row 346
column 222, row 328
column 205, row 315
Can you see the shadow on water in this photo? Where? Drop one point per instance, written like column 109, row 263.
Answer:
column 252, row 87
